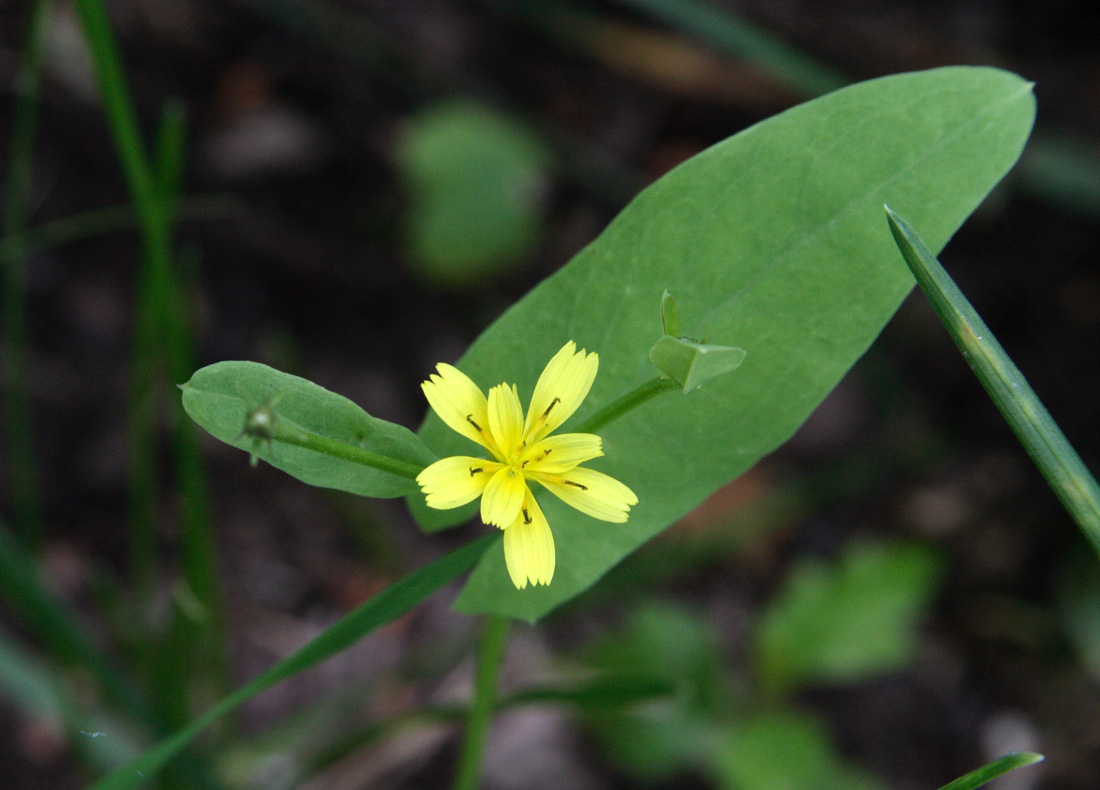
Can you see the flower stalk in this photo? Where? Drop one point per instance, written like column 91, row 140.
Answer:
column 262, row 424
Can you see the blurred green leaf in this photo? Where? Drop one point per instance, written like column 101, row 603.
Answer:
column 846, row 620
column 668, row 644
column 786, row 750
column 1079, row 608
column 475, row 180
column 657, row 739
column 989, row 772
column 220, row 396
column 771, row 240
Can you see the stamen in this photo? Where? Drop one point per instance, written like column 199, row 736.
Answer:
column 470, row 419
column 476, row 470
column 553, row 403
column 575, row 485
column 526, row 516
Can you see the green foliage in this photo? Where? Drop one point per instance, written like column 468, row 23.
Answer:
column 692, row 364
column 1079, row 609
column 1006, row 385
column 662, row 645
column 219, row 398
column 848, row 620
column 475, row 180
column 990, row 771
column 771, row 240
column 786, row 750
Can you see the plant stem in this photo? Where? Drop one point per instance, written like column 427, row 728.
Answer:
column 299, row 437
column 13, row 366
column 489, row 655
column 630, row 400
column 55, row 233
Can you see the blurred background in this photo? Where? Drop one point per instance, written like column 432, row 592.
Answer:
column 359, row 188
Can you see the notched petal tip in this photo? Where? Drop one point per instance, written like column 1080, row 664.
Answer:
column 529, row 547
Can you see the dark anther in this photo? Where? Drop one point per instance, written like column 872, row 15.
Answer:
column 470, row 419
column 576, row 485
column 475, row 470
column 526, row 517
column 553, row 403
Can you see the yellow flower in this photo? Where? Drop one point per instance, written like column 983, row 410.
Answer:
column 522, row 451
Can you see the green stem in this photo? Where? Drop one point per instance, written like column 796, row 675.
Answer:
column 299, row 437
column 149, row 329
column 630, row 400
column 13, row 366
column 489, row 656
column 58, row 232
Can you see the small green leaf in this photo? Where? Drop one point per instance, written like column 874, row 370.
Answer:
column 476, row 181
column 786, row 749
column 661, row 645
column 221, row 397
column 670, row 318
column 1010, row 762
column 848, row 620
column 692, row 364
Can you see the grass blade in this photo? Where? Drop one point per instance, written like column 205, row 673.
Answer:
column 385, row 607
column 13, row 284
column 1010, row 762
column 729, row 33
column 1036, row 429
column 48, row 618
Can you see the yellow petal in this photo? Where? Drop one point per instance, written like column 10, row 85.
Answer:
column 454, row 481
column 529, row 546
column 460, row 404
column 591, row 492
column 561, row 388
column 560, row 453
column 503, row 497
column 505, row 418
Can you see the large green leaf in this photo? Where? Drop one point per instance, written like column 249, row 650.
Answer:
column 772, row 241
column 219, row 396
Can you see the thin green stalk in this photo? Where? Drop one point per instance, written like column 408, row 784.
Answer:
column 149, row 330
column 47, row 617
column 792, row 67
column 86, row 224
column 627, row 402
column 13, row 365
column 489, row 655
column 1029, row 419
column 279, row 431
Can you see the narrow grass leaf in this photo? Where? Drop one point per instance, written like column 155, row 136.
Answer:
column 50, row 621
column 14, row 372
column 396, row 600
column 1010, row 762
column 1032, row 423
